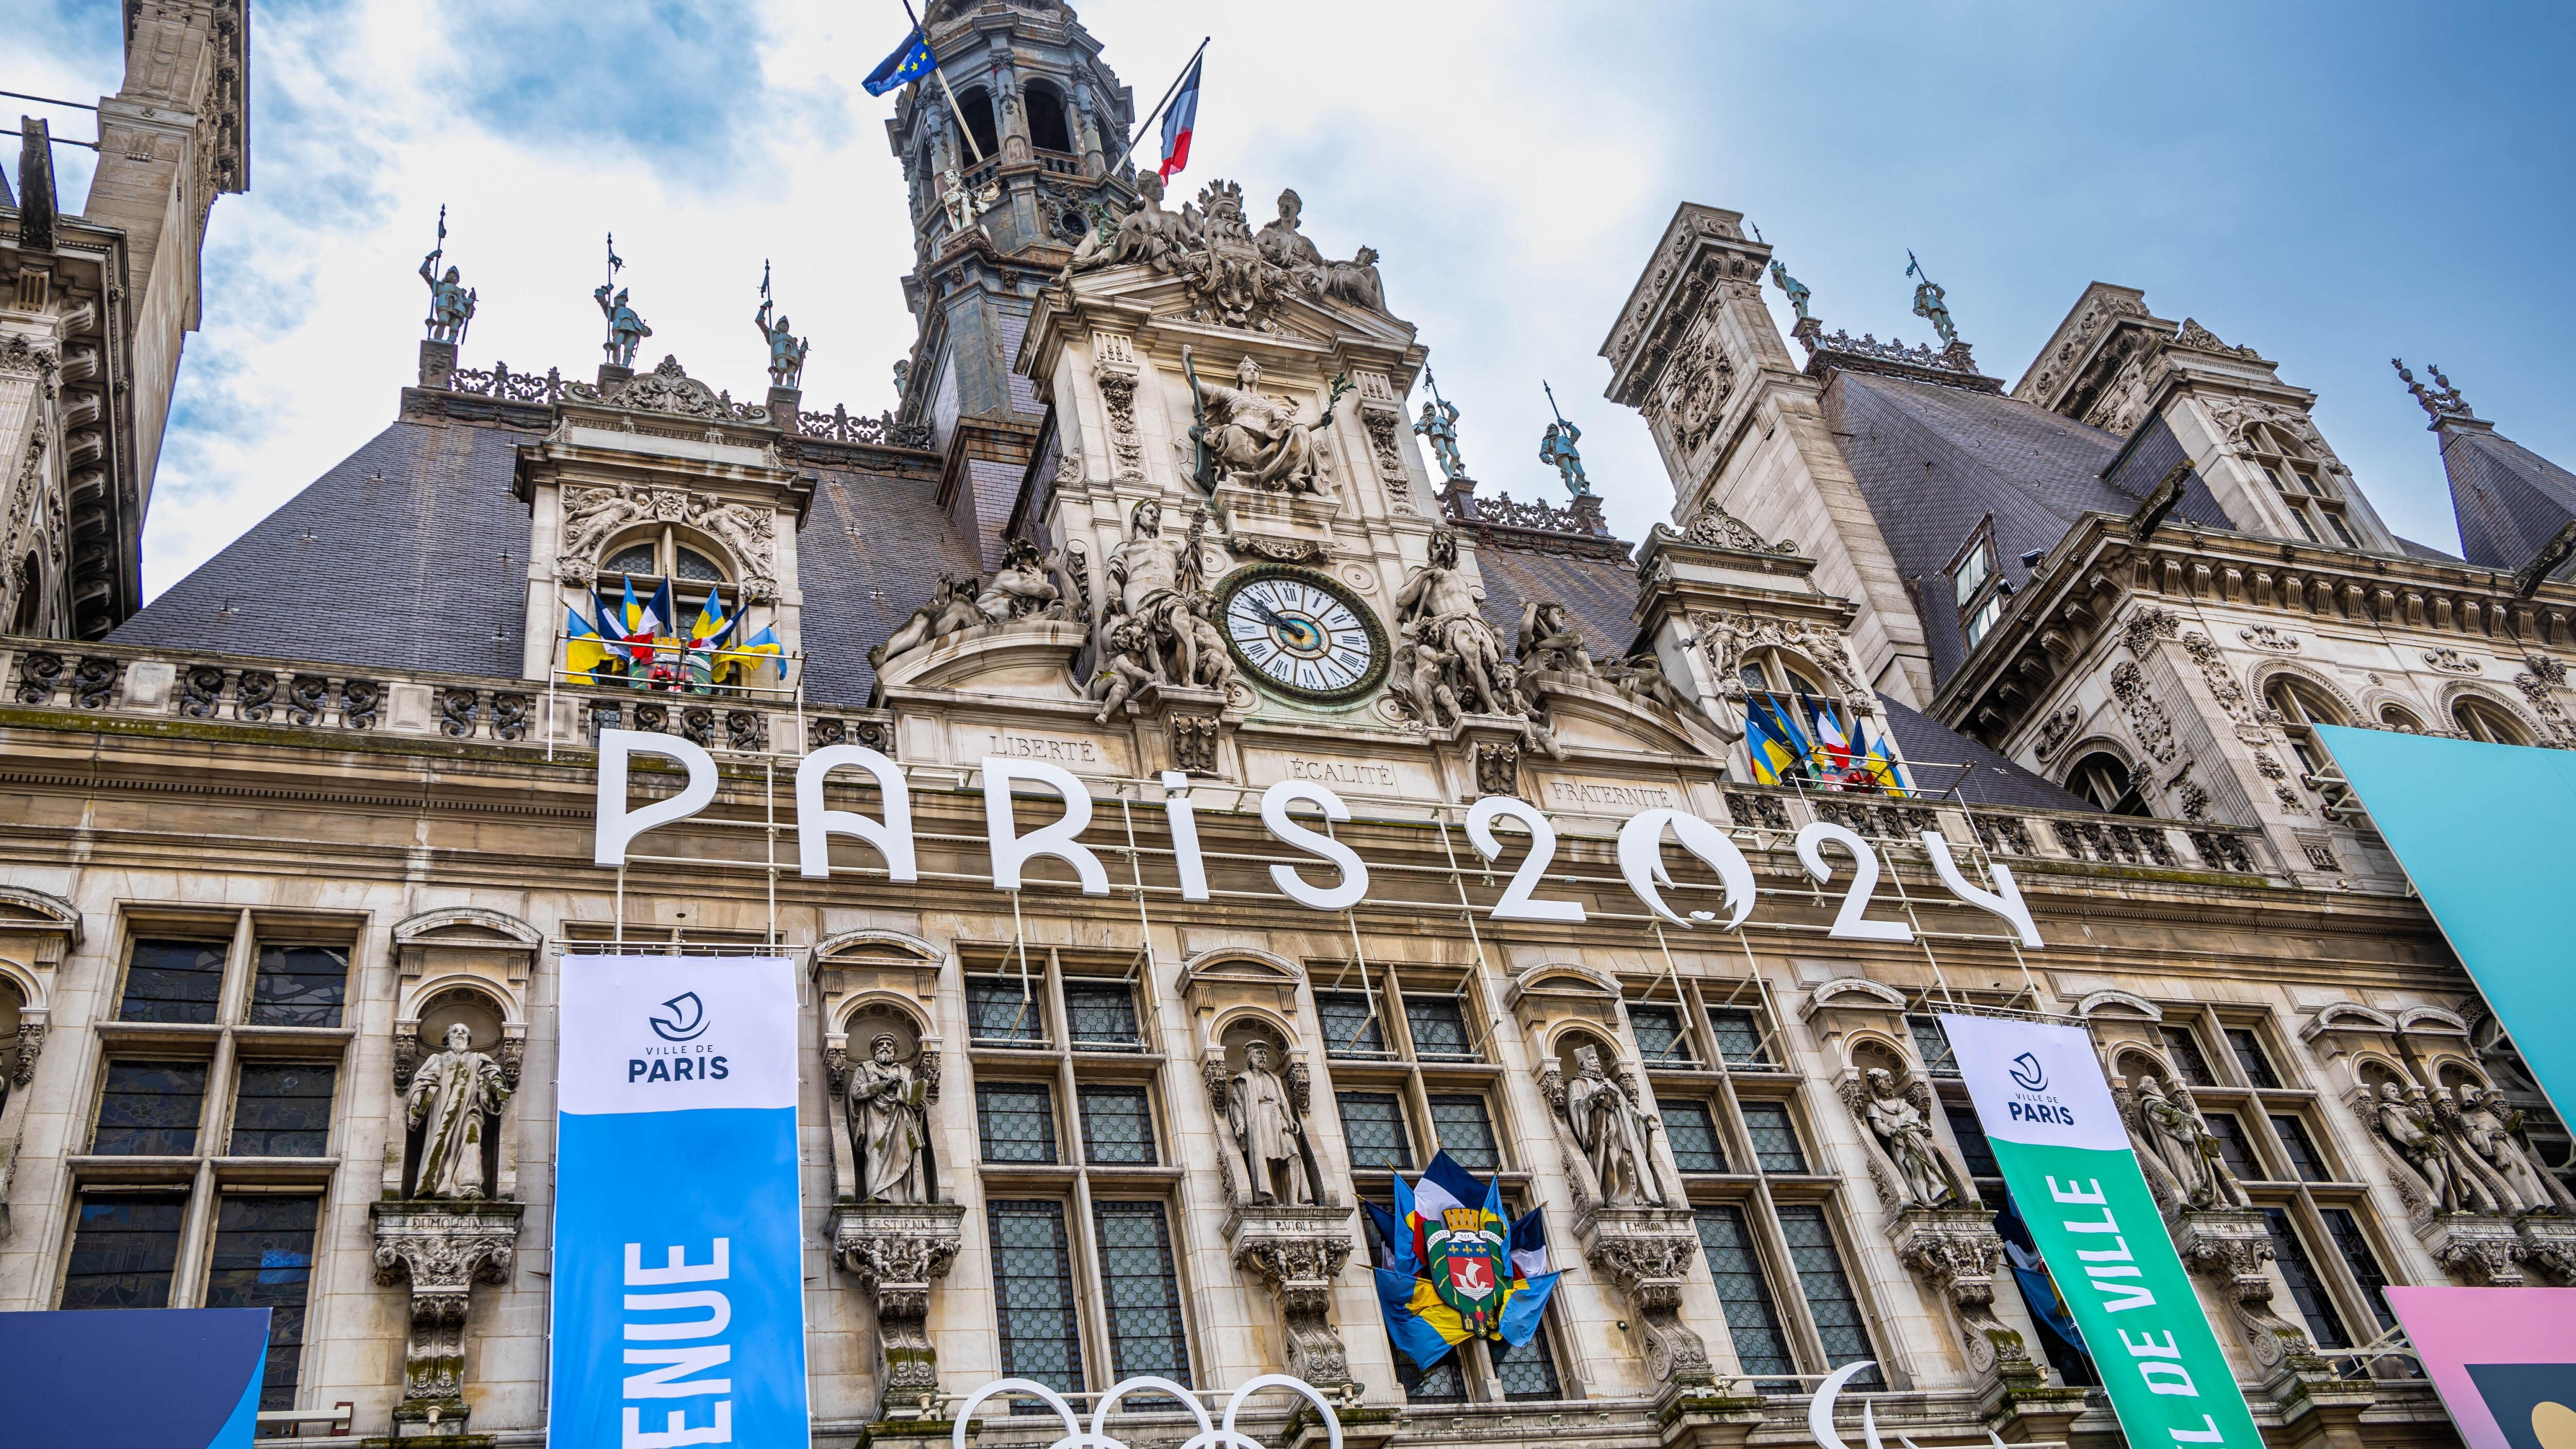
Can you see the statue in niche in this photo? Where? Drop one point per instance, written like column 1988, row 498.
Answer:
column 1257, row 439
column 2174, row 1131
column 1281, row 244
column 889, row 1126
column 786, row 349
column 1447, row 617
column 451, row 303
column 1897, row 1120
column 626, row 329
column 2412, row 1135
column 1264, row 1121
column 1797, row 290
column 452, row 1096
column 2490, row 1129
column 1612, row 1132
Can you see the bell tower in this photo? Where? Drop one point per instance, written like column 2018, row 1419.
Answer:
column 997, row 204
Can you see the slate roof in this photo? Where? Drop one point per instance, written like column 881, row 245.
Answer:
column 1933, row 461
column 1601, row 594
column 870, row 550
column 2508, row 499
column 1942, row 759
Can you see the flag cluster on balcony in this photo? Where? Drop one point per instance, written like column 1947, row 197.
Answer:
column 1452, row 1266
column 1782, row 750
column 639, row 640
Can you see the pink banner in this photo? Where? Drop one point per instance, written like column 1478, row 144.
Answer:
column 2503, row 1359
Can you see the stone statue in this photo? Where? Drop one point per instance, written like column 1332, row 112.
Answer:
column 1557, row 451
column 1446, row 613
column 1612, row 1134
column 1281, row 244
column 1901, row 1129
column 786, row 349
column 1439, row 423
column 1642, row 676
column 962, row 206
column 1145, row 572
column 626, row 329
column 2183, row 1143
column 1147, row 234
column 950, row 609
column 1020, row 590
column 2491, row 1129
column 1355, row 281
column 1204, row 660
column 1550, row 641
column 451, row 304
column 2409, row 1131
column 1258, row 440
column 452, row 1095
column 1797, row 290
column 1127, row 664
column 889, row 1126
column 1928, row 303
column 1264, row 1123
column 1418, row 675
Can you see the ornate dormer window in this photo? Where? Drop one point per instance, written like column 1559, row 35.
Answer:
column 1797, row 729
column 696, row 623
column 2306, row 492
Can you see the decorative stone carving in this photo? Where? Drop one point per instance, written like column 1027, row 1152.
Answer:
column 1956, row 1251
column 2429, row 1176
column 2231, row 1245
column 1296, row 1251
column 1126, row 444
column 1257, row 440
column 887, row 1104
column 2054, row 730
column 1386, row 450
column 2146, row 626
column 1439, row 612
column 592, row 515
column 1726, row 638
column 2480, row 1247
column 1194, row 741
column 1717, row 528
column 950, row 610
column 1907, row 1161
column 2491, row 1131
column 1645, row 1252
column 30, row 1043
column 668, row 388
column 442, row 1249
column 2264, row 636
column 2146, row 717
column 1264, row 1123
column 1277, row 550
column 898, row 1252
column 2535, row 682
column 2451, row 661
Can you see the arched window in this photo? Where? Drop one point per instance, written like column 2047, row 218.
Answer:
column 1049, row 127
column 2481, row 720
column 2399, row 718
column 1797, row 728
column 2306, row 492
column 2101, row 778
column 977, row 104
column 645, row 564
column 2300, row 705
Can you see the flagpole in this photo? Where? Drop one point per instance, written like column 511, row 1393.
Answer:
column 1130, row 148
column 941, row 74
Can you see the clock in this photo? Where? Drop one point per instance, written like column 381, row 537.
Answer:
column 1302, row 634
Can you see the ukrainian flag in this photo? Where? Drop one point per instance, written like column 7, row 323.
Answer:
column 752, row 654
column 1881, row 763
column 583, row 652
column 1767, row 740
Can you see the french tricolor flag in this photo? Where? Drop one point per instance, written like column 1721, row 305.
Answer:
column 1179, row 121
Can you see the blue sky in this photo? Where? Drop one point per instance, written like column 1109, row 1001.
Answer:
column 2332, row 184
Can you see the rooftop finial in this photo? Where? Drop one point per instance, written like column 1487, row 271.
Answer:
column 2440, row 401
column 1557, row 448
column 1928, row 301
column 451, row 303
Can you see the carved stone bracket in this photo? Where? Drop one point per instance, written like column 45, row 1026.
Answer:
column 2550, row 1244
column 443, row 1249
column 2483, row 1248
column 2231, row 1245
column 1955, row 1250
column 1192, row 722
column 898, row 1251
column 1297, row 1252
column 1645, row 1252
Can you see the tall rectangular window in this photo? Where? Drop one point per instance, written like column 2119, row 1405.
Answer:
column 2249, row 1055
column 1439, row 1027
column 263, row 1258
column 173, row 981
column 1016, row 1121
column 1829, row 1292
column 1739, row 1036
column 1775, row 1140
column 1527, row 1373
column 283, row 1109
column 150, row 1109
column 1693, row 1135
column 1974, row 1150
column 2346, row 1232
column 1463, row 1131
column 1660, row 1039
column 1033, row 1289
column 1146, row 1335
column 1373, row 1124
column 1744, row 1290
column 1442, row 1383
column 124, row 1249
column 1117, row 1127
column 1934, row 1045
column 2308, row 1163
column 1004, row 1011
column 1101, row 1016
column 2233, row 1148
column 2300, row 1273
column 1350, row 1030
column 2184, row 1048
column 299, row 986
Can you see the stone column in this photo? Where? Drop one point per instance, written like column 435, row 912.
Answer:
column 1644, row 1251
column 898, row 1251
column 443, row 1249
column 1297, row 1251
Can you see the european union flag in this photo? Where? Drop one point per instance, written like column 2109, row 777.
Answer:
column 910, row 62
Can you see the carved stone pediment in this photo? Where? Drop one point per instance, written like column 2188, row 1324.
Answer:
column 668, row 388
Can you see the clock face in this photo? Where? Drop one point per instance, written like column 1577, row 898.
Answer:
column 1303, row 634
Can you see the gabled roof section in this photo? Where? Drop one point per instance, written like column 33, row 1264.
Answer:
column 2509, row 500
column 411, row 554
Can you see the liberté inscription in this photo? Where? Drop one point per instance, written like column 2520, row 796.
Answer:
column 1640, row 842
column 1039, row 747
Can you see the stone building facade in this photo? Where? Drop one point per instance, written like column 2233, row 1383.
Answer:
column 287, row 864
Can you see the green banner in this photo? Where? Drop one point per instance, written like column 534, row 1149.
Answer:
column 2058, row 1138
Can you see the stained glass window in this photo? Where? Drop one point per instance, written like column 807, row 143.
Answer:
column 1101, row 1016
column 1974, row 1149
column 1744, row 1290
column 1442, row 1383
column 1117, row 1127
column 2233, row 1148
column 2346, row 1232
column 299, row 986
column 2249, row 1055
column 998, row 1011
column 1933, row 1044
column 173, row 981
column 1465, row 1132
column 150, row 1109
column 1528, row 1373
column 263, row 1258
column 1016, row 1121
column 1693, row 1135
column 1739, row 1036
column 1660, row 1039
column 1033, row 1289
column 1146, row 1335
column 1775, row 1141
column 283, row 1109
column 1829, row 1292
column 1439, row 1027
column 2184, row 1048
column 1373, row 1124
column 123, row 1251
column 1349, row 1029
column 2308, row 1163
column 2306, row 1289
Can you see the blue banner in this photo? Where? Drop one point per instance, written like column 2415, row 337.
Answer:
column 679, row 1303
column 2485, row 832
column 77, row 1377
